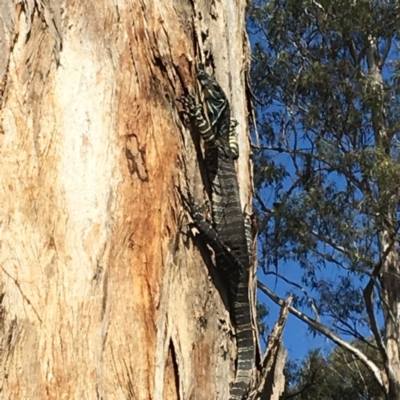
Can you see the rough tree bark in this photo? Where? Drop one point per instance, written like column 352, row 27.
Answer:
column 102, row 294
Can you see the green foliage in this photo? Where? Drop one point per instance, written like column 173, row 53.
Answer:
column 327, row 171
column 336, row 377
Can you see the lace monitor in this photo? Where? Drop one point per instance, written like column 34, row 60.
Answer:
column 228, row 235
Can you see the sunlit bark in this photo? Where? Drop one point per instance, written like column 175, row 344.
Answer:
column 103, row 293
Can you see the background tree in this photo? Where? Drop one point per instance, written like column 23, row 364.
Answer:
column 326, row 73
column 338, row 376
column 103, row 296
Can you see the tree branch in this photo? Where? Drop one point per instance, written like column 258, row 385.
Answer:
column 339, row 248
column 329, row 334
column 361, row 185
column 270, row 212
column 296, row 285
column 353, row 52
column 385, row 52
column 368, row 297
column 352, row 331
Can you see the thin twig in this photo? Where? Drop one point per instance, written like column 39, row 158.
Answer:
column 295, row 284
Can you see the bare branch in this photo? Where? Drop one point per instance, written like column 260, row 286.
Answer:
column 353, row 52
column 351, row 330
column 385, row 51
column 295, row 284
column 263, row 206
column 339, row 248
column 319, row 6
column 331, row 259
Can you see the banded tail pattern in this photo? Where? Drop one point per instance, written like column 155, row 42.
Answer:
column 233, row 139
column 227, row 235
column 249, row 238
column 239, row 293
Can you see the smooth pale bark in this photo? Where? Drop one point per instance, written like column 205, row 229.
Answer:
column 103, row 294
column 387, row 271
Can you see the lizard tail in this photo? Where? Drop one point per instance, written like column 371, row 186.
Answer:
column 245, row 343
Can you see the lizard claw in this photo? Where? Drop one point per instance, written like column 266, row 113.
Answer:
column 189, row 103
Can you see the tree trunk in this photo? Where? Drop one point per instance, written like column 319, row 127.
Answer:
column 103, row 295
column 388, row 268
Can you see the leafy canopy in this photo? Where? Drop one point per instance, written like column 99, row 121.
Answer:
column 326, row 76
column 337, row 376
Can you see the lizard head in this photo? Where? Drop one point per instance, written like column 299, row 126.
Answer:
column 215, row 97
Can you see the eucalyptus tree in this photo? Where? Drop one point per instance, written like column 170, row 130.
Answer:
column 326, row 83
column 337, row 375
column 103, row 294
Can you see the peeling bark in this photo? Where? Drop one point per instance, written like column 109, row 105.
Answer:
column 270, row 382
column 104, row 294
